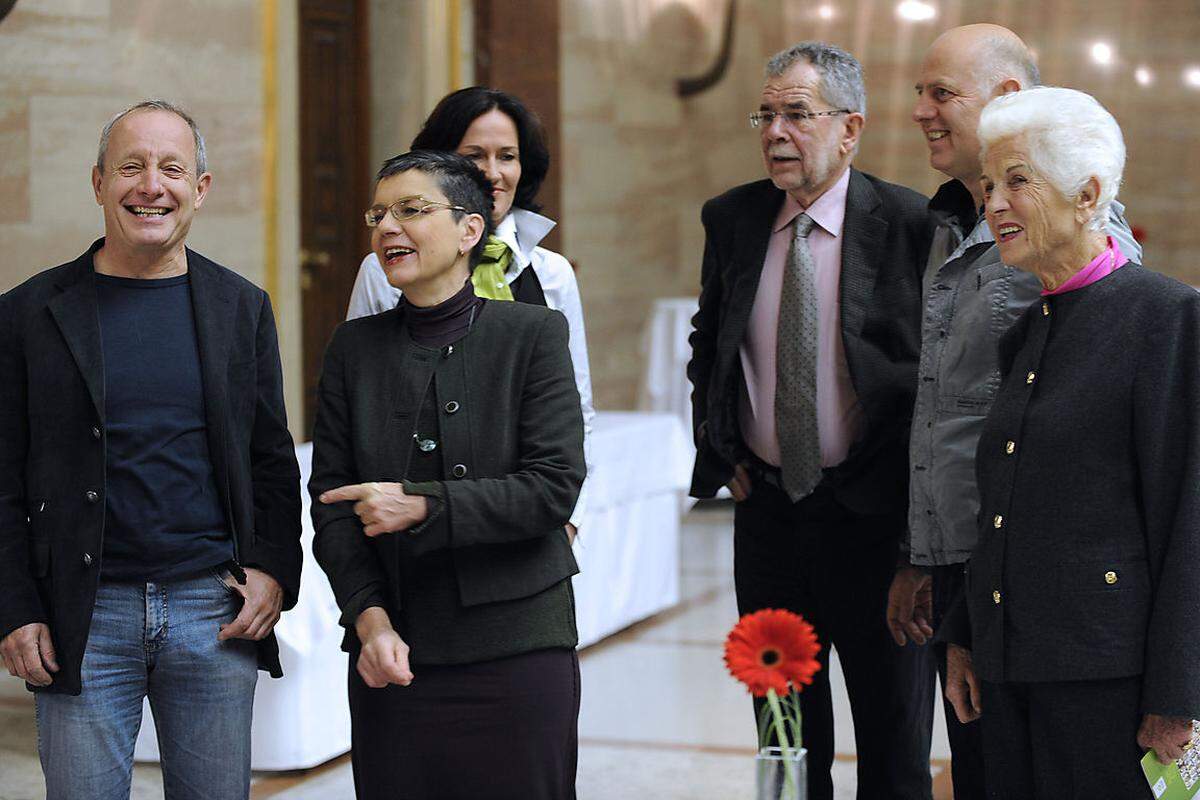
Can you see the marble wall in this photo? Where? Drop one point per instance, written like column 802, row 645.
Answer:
column 639, row 162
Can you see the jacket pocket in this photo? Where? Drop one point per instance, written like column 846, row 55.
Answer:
column 1098, row 615
column 990, row 272
column 1105, row 577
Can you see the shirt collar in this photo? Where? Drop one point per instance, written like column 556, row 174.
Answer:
column 522, row 230
column 980, row 234
column 954, row 200
column 828, row 211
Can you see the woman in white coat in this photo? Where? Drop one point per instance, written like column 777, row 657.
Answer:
column 505, row 140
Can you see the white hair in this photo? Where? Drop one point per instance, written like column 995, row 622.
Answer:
column 1070, row 138
column 841, row 74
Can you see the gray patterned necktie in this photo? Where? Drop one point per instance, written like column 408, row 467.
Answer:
column 796, row 368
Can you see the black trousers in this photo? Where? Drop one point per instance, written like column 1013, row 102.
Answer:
column 1063, row 741
column 834, row 567
column 966, row 741
column 503, row 729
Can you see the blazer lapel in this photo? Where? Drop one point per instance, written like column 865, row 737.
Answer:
column 751, row 237
column 76, row 311
column 864, row 238
column 214, row 306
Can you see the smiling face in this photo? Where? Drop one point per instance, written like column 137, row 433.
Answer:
column 1035, row 226
column 149, row 188
column 949, row 101
column 426, row 257
column 491, row 141
column 805, row 160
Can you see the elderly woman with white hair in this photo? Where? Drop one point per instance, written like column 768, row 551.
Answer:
column 1077, row 639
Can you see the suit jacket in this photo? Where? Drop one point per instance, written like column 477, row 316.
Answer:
column 511, row 440
column 886, row 240
column 52, row 446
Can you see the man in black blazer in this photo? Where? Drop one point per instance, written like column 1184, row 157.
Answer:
column 804, row 367
column 149, row 491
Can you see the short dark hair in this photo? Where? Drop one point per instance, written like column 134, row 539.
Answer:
column 454, row 113
column 463, row 183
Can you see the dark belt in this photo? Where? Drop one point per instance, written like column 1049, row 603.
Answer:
column 761, row 471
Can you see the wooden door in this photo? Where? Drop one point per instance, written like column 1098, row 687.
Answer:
column 334, row 135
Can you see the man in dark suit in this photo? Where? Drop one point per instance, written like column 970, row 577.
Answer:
column 149, row 491
column 804, row 367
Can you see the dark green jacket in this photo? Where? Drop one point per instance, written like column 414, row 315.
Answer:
column 511, row 436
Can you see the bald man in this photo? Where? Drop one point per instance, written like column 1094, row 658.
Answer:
column 970, row 299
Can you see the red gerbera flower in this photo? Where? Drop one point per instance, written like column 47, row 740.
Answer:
column 771, row 649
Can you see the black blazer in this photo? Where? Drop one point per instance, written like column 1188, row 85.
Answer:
column 52, row 446
column 885, row 244
column 512, row 443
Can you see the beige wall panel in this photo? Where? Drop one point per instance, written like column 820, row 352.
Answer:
column 98, row 9
column 638, row 161
column 14, row 158
column 46, row 53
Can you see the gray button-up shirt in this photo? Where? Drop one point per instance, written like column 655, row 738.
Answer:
column 971, row 299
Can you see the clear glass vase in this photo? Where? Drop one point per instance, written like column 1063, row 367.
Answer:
column 781, row 774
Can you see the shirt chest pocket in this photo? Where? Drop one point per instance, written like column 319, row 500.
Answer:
column 969, row 372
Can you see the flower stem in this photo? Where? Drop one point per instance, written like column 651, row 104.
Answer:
column 790, row 790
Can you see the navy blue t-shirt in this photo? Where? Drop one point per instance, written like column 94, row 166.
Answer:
column 165, row 518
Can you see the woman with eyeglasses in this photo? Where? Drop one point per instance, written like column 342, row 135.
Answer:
column 505, row 140
column 447, row 457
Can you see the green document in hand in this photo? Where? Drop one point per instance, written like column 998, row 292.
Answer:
column 1178, row 780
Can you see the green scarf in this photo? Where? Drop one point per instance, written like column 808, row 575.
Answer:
column 488, row 277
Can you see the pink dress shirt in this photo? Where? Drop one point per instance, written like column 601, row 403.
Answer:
column 1106, row 263
column 839, row 415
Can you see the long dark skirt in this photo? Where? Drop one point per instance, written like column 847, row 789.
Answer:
column 503, row 730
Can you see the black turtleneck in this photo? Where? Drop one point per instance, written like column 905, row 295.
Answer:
column 448, row 321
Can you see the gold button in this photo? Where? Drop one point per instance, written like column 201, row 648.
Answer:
column 997, row 521
column 1010, row 447
column 1110, row 578
column 1029, row 378
column 1045, row 309
column 996, row 597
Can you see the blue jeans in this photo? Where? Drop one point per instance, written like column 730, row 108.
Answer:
column 156, row 640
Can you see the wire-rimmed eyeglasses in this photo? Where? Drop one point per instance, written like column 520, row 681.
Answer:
column 797, row 117
column 405, row 209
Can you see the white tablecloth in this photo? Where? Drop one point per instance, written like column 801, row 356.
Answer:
column 666, row 352
column 628, row 552
column 628, row 545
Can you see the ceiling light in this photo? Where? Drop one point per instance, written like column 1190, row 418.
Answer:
column 1191, row 77
column 1102, row 53
column 915, row 11
column 825, row 12
column 1143, row 76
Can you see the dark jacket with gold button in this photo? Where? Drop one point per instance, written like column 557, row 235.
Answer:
column 1088, row 562
column 52, row 446
column 510, row 435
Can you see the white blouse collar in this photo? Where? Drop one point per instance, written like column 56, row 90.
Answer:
column 522, row 230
